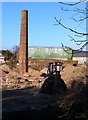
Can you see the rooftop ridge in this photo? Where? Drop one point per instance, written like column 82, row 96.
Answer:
column 46, row 46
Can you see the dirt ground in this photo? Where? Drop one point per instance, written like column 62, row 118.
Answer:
column 70, row 105
column 11, row 79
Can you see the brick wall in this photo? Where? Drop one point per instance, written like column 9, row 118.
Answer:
column 23, row 51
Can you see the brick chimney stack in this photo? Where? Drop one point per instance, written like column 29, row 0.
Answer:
column 23, row 50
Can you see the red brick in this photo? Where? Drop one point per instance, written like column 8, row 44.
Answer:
column 23, row 51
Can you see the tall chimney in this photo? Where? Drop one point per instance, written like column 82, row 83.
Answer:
column 23, row 50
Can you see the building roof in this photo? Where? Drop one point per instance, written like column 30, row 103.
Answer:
column 44, row 47
column 80, row 54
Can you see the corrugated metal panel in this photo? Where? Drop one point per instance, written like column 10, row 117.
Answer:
column 48, row 52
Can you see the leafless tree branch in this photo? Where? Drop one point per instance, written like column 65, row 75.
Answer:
column 65, row 48
column 80, row 11
column 77, row 10
column 79, row 35
column 79, row 15
column 72, row 39
column 59, row 23
column 78, row 42
column 79, row 20
column 72, row 4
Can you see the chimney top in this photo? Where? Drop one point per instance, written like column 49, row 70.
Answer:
column 24, row 10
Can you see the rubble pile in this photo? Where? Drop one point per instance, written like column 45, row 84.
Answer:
column 10, row 79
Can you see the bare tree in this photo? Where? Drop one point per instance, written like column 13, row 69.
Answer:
column 79, row 15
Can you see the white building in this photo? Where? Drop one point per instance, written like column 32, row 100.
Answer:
column 1, row 58
column 81, row 57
